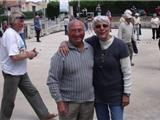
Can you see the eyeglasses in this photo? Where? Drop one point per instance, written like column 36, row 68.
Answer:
column 20, row 17
column 99, row 26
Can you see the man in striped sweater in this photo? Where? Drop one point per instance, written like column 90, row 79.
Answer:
column 70, row 77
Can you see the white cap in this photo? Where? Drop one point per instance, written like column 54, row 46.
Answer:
column 127, row 15
column 136, row 14
column 127, row 11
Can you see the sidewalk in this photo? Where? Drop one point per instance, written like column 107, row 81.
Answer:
column 145, row 98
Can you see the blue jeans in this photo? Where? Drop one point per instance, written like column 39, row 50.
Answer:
column 108, row 112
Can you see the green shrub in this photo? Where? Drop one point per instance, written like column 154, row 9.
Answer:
column 28, row 15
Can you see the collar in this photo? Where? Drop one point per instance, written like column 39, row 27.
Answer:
column 72, row 47
column 106, row 44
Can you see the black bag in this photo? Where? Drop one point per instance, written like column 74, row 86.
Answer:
column 159, row 44
column 135, row 49
column 1, row 33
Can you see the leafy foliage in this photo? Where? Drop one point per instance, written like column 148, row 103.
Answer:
column 1, row 9
column 28, row 15
column 52, row 9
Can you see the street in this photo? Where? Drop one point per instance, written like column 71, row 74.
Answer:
column 145, row 97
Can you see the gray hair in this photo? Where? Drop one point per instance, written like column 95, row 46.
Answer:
column 101, row 19
column 72, row 21
column 13, row 17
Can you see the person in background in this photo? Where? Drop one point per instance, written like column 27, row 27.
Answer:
column 70, row 79
column 66, row 21
column 111, row 71
column 98, row 10
column 37, row 26
column 109, row 15
column 13, row 58
column 122, row 18
column 133, row 9
column 155, row 22
column 90, row 21
column 137, row 24
column 126, row 33
column 4, row 26
column 157, row 10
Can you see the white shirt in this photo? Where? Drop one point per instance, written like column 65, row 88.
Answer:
column 137, row 21
column 125, row 32
column 12, row 44
column 155, row 22
column 66, row 21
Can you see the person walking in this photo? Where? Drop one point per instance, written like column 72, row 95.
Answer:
column 66, row 21
column 13, row 58
column 37, row 27
column 111, row 71
column 70, row 79
column 126, row 33
column 137, row 24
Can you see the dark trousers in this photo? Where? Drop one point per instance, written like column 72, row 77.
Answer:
column 130, row 49
column 11, row 84
column 65, row 30
column 155, row 33
column 159, row 44
column 38, row 35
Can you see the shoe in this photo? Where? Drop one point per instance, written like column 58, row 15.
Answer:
column 51, row 116
column 132, row 64
column 39, row 41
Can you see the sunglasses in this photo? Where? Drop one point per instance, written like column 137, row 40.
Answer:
column 21, row 17
column 99, row 26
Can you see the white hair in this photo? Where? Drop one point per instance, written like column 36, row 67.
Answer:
column 12, row 17
column 101, row 19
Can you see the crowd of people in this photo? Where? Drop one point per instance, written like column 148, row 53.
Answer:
column 80, row 71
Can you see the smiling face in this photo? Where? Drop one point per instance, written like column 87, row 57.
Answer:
column 102, row 28
column 76, row 32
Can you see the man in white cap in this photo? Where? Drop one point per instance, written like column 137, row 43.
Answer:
column 125, row 33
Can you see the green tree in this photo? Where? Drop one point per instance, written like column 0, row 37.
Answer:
column 52, row 9
column 1, row 9
column 2, row 16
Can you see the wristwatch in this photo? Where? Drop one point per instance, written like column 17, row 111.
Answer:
column 127, row 94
